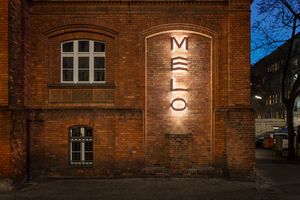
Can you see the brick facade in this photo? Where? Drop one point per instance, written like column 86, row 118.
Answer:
column 131, row 113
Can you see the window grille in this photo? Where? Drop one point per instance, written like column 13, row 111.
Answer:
column 81, row 146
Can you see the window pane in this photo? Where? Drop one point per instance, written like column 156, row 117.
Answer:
column 99, row 75
column 68, row 47
column 83, row 62
column 99, row 62
column 75, row 146
column 83, row 75
column 83, row 46
column 88, row 146
column 76, row 132
column 88, row 132
column 99, row 47
column 68, row 62
column 67, row 75
column 75, row 157
column 88, row 156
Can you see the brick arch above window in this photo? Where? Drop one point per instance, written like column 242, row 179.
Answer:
column 51, row 29
column 80, row 28
column 80, row 126
column 83, row 120
column 55, row 54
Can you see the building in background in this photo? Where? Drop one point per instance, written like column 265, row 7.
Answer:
column 266, row 80
column 125, row 89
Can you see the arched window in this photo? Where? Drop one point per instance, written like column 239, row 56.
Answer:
column 83, row 61
column 81, row 145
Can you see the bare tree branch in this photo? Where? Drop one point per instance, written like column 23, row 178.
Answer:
column 281, row 18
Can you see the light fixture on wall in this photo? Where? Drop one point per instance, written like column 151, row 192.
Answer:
column 258, row 97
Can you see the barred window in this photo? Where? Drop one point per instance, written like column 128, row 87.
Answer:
column 81, row 146
column 83, row 61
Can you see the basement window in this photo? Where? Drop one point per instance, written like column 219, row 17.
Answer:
column 81, row 146
column 83, row 61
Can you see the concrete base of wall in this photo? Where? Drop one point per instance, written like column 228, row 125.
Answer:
column 5, row 185
column 9, row 185
column 196, row 173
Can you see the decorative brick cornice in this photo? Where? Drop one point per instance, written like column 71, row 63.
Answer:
column 95, row 2
column 242, row 1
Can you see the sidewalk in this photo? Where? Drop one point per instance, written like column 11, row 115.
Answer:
column 264, row 188
column 279, row 172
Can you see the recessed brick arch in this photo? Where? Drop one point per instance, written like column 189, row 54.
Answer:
column 164, row 28
column 155, row 56
column 182, row 21
column 54, row 28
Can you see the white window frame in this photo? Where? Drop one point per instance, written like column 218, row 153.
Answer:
column 82, row 139
column 75, row 54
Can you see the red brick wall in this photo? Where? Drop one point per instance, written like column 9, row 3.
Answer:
column 137, row 119
column 13, row 144
column 240, row 146
column 197, row 79
column 5, row 152
column 240, row 125
column 208, row 74
column 18, row 144
column 117, row 141
column 129, row 142
column 239, row 56
column 219, row 149
column 5, row 148
column 57, row 147
column 15, row 21
column 127, row 65
column 19, row 48
column 4, row 53
column 36, row 148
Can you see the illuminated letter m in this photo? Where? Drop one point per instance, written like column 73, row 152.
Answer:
column 184, row 40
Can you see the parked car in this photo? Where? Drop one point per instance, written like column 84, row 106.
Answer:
column 259, row 140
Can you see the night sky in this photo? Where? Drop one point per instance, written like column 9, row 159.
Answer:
column 255, row 56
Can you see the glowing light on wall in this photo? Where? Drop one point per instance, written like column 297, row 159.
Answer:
column 176, row 89
column 174, row 42
column 179, row 63
column 178, row 104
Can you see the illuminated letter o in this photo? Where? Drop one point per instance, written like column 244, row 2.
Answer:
column 174, row 107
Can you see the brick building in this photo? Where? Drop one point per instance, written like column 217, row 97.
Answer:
column 125, row 89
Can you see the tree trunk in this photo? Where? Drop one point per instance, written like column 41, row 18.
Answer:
column 290, row 124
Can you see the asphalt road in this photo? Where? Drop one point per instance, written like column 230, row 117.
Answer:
column 277, row 179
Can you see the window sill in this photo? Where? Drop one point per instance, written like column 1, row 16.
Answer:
column 81, row 85
column 81, row 166
column 89, row 167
